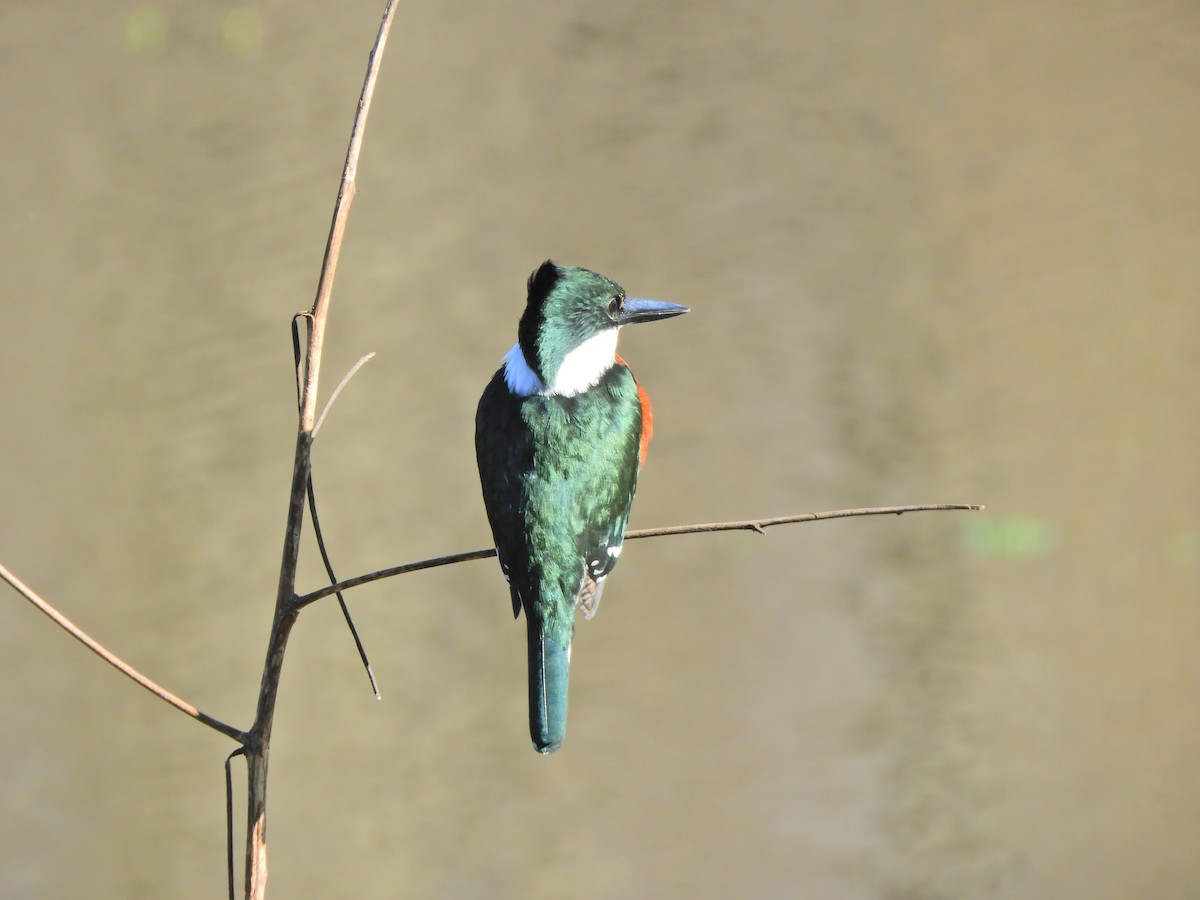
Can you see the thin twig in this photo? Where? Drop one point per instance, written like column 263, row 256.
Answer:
column 337, row 390
column 744, row 525
column 298, row 358
column 115, row 661
column 229, row 817
column 403, row 569
column 760, row 524
column 320, row 536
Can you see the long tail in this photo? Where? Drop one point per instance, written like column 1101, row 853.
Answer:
column 549, row 666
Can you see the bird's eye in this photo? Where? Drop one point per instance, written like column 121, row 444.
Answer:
column 614, row 305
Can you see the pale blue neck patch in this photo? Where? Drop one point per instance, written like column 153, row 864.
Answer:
column 521, row 380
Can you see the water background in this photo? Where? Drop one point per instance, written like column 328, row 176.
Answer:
column 934, row 252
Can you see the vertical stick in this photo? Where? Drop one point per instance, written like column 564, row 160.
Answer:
column 259, row 739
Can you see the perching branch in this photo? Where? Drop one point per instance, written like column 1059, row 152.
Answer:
column 745, row 525
column 759, row 524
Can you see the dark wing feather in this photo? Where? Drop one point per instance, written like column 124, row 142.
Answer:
column 502, row 459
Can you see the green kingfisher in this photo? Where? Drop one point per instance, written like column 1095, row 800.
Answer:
column 560, row 434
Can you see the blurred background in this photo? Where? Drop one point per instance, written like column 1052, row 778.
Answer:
column 935, row 252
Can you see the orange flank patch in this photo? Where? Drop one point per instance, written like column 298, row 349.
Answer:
column 647, row 418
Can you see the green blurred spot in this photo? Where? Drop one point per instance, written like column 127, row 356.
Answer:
column 1010, row 537
column 146, row 30
column 1184, row 549
column 242, row 30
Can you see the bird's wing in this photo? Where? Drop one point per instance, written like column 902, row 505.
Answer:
column 501, row 464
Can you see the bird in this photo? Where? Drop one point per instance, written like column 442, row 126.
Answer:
column 560, row 434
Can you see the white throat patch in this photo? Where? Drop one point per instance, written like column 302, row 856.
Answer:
column 586, row 364
column 582, row 368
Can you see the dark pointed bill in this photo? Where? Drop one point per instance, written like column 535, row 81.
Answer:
column 638, row 310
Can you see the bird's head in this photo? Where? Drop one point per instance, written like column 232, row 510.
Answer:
column 568, row 333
